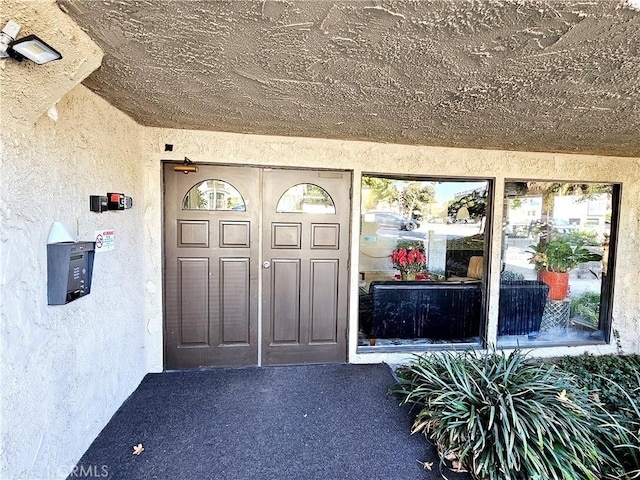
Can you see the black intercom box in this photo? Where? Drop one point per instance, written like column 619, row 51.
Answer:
column 98, row 203
column 69, row 271
column 112, row 201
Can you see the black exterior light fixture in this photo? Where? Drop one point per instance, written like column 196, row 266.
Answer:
column 30, row 47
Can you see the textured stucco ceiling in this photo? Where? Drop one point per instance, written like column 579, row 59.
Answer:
column 535, row 75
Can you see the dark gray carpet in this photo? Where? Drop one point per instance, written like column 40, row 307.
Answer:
column 302, row 422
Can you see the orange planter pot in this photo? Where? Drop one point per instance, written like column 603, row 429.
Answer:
column 558, row 284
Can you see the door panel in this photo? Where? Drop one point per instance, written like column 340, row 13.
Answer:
column 193, row 233
column 305, row 289
column 213, row 266
column 211, row 269
column 324, row 315
column 235, row 301
column 285, row 301
column 193, row 280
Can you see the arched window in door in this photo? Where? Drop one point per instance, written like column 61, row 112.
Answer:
column 213, row 194
column 306, row 198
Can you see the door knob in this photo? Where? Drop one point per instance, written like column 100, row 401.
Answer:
column 266, row 264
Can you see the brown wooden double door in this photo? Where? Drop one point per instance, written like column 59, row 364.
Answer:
column 256, row 266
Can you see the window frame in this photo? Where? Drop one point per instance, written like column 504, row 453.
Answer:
column 607, row 282
column 486, row 263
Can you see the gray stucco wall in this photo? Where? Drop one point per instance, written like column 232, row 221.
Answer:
column 64, row 370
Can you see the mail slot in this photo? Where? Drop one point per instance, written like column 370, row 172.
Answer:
column 69, row 271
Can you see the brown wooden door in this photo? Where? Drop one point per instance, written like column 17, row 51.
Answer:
column 211, row 267
column 305, row 268
column 214, row 269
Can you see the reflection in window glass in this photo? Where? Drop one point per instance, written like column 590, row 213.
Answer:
column 305, row 198
column 422, row 250
column 213, row 195
column 555, row 283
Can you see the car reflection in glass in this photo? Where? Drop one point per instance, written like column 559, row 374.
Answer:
column 391, row 220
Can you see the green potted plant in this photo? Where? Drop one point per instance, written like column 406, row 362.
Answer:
column 555, row 258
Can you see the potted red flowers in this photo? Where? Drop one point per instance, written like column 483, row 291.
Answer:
column 410, row 261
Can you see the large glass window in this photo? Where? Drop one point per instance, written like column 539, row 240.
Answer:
column 422, row 257
column 555, row 285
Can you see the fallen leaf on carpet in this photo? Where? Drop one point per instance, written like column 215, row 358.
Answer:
column 426, row 465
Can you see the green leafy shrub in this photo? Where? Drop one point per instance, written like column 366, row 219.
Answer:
column 584, row 237
column 473, row 242
column 511, row 276
column 627, row 428
column 587, row 306
column 505, row 417
column 615, row 379
column 607, row 375
column 410, row 244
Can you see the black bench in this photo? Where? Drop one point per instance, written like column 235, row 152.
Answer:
column 419, row 309
column 521, row 307
column 447, row 311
